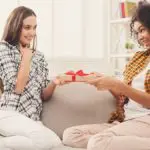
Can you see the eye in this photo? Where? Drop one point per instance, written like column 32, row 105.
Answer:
column 142, row 30
column 27, row 27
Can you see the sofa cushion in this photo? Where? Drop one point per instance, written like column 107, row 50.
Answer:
column 62, row 147
column 76, row 104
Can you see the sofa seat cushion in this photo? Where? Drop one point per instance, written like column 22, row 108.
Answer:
column 62, row 147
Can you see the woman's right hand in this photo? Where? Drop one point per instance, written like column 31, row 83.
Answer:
column 26, row 53
column 97, row 74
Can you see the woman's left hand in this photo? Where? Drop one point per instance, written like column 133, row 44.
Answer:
column 106, row 83
column 59, row 81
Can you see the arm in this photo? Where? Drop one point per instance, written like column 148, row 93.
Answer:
column 48, row 91
column 48, row 86
column 119, row 87
column 22, row 76
column 137, row 95
column 115, row 94
column 23, row 73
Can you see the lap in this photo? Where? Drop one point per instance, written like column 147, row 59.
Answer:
column 13, row 123
column 89, row 128
column 17, row 128
column 135, row 127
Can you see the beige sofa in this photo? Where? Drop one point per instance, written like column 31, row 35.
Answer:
column 76, row 104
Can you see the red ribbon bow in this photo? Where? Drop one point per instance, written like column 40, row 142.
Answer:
column 79, row 73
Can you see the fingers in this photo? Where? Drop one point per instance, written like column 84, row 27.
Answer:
column 56, row 81
column 98, row 83
column 97, row 74
column 94, row 81
column 60, row 81
column 100, row 88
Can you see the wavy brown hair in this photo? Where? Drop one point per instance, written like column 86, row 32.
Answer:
column 14, row 25
column 142, row 15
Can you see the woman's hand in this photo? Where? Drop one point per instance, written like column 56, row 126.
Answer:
column 103, row 82
column 59, row 81
column 24, row 70
column 97, row 74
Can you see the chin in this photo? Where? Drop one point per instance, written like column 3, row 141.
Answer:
column 25, row 44
column 146, row 46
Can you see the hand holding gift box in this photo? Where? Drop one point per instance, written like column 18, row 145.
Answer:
column 78, row 76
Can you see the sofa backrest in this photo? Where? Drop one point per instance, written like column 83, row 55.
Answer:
column 76, row 104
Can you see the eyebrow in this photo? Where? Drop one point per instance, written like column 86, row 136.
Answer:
column 29, row 25
column 140, row 27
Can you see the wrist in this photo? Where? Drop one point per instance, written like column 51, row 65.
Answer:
column 117, row 87
column 26, row 59
column 53, row 82
column 120, row 88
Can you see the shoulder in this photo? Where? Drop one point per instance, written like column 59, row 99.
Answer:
column 139, row 54
column 40, row 58
column 39, row 55
column 5, row 45
column 5, row 48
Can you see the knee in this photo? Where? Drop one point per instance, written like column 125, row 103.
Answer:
column 45, row 141
column 69, row 136
column 74, row 137
column 102, row 141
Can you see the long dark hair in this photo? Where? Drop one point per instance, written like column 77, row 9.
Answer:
column 14, row 25
column 142, row 15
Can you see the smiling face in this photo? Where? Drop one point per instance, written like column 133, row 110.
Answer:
column 142, row 33
column 28, row 31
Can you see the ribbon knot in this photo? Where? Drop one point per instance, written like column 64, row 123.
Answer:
column 74, row 74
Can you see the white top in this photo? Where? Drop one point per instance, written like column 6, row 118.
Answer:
column 134, row 109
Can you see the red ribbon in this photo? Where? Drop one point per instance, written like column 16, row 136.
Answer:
column 73, row 74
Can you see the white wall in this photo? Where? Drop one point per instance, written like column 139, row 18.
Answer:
column 67, row 28
column 71, row 33
column 94, row 28
column 81, row 29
